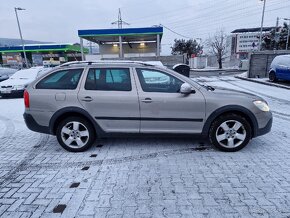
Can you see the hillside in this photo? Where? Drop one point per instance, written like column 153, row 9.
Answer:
column 11, row 42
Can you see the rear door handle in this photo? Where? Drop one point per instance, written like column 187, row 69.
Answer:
column 87, row 99
column 147, row 100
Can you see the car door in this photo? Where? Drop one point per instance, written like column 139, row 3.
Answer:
column 282, row 68
column 110, row 96
column 287, row 68
column 163, row 108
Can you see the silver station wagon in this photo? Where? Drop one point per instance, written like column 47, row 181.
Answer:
column 81, row 101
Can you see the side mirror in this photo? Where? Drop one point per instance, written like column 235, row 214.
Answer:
column 185, row 88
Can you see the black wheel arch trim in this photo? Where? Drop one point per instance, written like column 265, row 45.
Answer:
column 77, row 110
column 229, row 109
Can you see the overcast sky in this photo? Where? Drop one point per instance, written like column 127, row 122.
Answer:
column 59, row 20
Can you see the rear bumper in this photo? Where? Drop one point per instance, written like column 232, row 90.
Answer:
column 266, row 129
column 33, row 125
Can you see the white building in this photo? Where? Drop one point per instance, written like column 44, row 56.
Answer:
column 245, row 41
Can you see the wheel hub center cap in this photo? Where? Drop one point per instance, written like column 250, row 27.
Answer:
column 74, row 134
column 231, row 133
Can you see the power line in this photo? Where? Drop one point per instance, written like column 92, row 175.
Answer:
column 206, row 9
column 228, row 18
column 120, row 22
column 224, row 12
column 175, row 32
column 148, row 17
column 206, row 32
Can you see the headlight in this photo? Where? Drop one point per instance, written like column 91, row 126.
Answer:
column 263, row 106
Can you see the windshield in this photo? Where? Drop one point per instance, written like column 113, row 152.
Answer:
column 188, row 80
column 25, row 74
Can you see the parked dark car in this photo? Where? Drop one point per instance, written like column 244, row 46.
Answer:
column 280, row 68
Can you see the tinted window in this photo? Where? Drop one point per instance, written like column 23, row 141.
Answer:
column 65, row 79
column 157, row 81
column 107, row 79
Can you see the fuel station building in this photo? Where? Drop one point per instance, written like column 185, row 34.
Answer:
column 40, row 54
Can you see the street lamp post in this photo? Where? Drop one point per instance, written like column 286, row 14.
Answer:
column 288, row 35
column 20, row 33
column 262, row 23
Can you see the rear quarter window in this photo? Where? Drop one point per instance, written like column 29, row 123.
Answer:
column 63, row 79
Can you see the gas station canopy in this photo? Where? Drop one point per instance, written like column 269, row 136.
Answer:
column 101, row 36
column 42, row 48
column 123, row 38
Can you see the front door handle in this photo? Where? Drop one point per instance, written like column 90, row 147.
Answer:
column 147, row 100
column 87, row 99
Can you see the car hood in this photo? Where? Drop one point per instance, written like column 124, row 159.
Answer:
column 231, row 92
column 16, row 82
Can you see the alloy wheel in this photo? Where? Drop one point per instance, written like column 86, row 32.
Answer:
column 75, row 134
column 231, row 134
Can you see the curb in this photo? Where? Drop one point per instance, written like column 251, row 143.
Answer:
column 217, row 70
column 264, row 83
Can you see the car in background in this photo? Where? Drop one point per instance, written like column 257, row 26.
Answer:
column 280, row 68
column 5, row 73
column 15, row 85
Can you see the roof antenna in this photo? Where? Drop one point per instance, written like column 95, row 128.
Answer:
column 120, row 22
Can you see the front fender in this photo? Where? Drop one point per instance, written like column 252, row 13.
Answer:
column 231, row 109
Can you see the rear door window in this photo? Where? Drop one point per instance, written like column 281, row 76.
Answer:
column 64, row 79
column 109, row 79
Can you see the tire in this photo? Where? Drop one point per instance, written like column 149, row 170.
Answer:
column 75, row 134
column 230, row 133
column 272, row 76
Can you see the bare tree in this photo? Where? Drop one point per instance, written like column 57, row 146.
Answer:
column 218, row 46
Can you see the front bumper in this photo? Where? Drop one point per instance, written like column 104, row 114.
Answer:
column 266, row 129
column 33, row 125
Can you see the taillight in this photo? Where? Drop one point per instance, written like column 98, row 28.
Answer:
column 26, row 99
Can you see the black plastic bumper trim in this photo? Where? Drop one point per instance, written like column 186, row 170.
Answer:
column 266, row 129
column 33, row 125
column 149, row 119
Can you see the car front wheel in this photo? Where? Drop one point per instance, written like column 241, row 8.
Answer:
column 230, row 133
column 75, row 134
column 272, row 77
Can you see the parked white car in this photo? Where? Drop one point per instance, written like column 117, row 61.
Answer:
column 5, row 73
column 15, row 85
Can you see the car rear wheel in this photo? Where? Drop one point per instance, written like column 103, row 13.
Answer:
column 272, row 76
column 75, row 134
column 230, row 133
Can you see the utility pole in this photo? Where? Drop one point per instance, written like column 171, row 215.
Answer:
column 91, row 47
column 20, row 33
column 262, row 23
column 276, row 36
column 120, row 22
column 288, row 35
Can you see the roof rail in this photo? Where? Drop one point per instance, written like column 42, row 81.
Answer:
column 106, row 62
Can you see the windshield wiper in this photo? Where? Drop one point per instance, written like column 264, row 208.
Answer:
column 209, row 88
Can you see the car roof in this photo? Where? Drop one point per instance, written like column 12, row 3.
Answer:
column 283, row 56
column 116, row 63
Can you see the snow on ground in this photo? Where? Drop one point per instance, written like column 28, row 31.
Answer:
column 146, row 177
